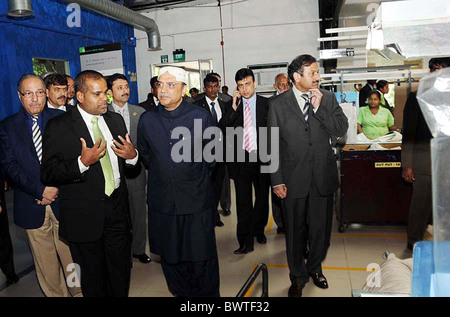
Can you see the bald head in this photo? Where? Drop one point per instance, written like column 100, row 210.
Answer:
column 281, row 83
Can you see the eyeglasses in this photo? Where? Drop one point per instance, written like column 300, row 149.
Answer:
column 170, row 85
column 29, row 94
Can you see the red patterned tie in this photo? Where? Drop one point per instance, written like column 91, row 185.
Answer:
column 249, row 134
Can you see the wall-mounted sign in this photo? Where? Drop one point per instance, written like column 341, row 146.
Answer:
column 337, row 53
column 106, row 59
column 179, row 55
column 164, row 58
column 388, row 164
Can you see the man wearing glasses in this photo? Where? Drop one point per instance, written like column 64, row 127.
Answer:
column 36, row 206
column 56, row 89
column 181, row 216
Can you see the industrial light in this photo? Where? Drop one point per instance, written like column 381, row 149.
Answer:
column 20, row 8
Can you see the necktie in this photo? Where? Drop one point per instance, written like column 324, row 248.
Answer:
column 213, row 112
column 37, row 137
column 105, row 162
column 306, row 106
column 249, row 135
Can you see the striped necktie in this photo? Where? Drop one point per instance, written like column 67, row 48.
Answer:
column 105, row 162
column 306, row 106
column 249, row 134
column 37, row 137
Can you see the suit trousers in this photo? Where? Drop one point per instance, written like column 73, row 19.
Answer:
column 105, row 264
column 193, row 279
column 138, row 212
column 301, row 215
column 217, row 181
column 6, row 248
column 421, row 208
column 51, row 258
column 252, row 219
column 276, row 210
column 225, row 198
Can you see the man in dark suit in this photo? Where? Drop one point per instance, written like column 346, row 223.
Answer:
column 307, row 178
column 152, row 98
column 364, row 92
column 181, row 215
column 135, row 177
column 248, row 112
column 84, row 154
column 217, row 108
column 416, row 162
column 6, row 248
column 36, row 206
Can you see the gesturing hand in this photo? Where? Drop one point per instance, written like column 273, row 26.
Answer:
column 125, row 150
column 92, row 155
column 316, row 97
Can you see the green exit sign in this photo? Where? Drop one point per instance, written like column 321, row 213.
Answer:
column 179, row 55
column 164, row 58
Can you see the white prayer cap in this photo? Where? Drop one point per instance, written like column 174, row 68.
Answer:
column 178, row 73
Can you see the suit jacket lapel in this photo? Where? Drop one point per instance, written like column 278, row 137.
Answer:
column 24, row 133
column 80, row 127
column 293, row 104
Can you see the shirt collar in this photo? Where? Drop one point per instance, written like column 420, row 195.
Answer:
column 251, row 100
column 117, row 108
column 209, row 100
column 63, row 108
column 87, row 117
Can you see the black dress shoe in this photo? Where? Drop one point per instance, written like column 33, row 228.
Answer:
column 11, row 279
column 219, row 223
column 319, row 280
column 226, row 212
column 144, row 258
column 295, row 290
column 244, row 250
column 261, row 239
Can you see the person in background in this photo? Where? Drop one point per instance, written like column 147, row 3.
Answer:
column 248, row 112
column 56, row 85
column 383, row 88
column 364, row 92
column 373, row 120
column 135, row 177
column 416, row 162
column 194, row 93
column 282, row 83
column 70, row 92
column 152, row 98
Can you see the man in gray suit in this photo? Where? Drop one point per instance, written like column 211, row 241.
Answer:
column 135, row 177
column 307, row 178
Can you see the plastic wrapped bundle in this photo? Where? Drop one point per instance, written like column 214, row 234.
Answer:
column 434, row 100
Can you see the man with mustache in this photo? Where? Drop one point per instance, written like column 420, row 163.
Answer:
column 56, row 85
column 307, row 178
column 119, row 88
column 85, row 153
column 70, row 91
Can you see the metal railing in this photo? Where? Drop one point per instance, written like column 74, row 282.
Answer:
column 265, row 281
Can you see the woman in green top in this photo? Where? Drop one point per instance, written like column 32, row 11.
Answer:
column 375, row 121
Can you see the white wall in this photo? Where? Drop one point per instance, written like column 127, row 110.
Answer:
column 244, row 44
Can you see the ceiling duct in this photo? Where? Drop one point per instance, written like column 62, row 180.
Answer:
column 19, row 8
column 125, row 15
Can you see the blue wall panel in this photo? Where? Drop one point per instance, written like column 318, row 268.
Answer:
column 47, row 35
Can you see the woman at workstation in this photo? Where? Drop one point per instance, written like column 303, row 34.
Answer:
column 373, row 120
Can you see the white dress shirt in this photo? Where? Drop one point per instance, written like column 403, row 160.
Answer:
column 216, row 107
column 124, row 112
column 87, row 117
column 63, row 108
column 301, row 101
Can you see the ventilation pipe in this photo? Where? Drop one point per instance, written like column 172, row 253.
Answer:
column 19, row 8
column 125, row 15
